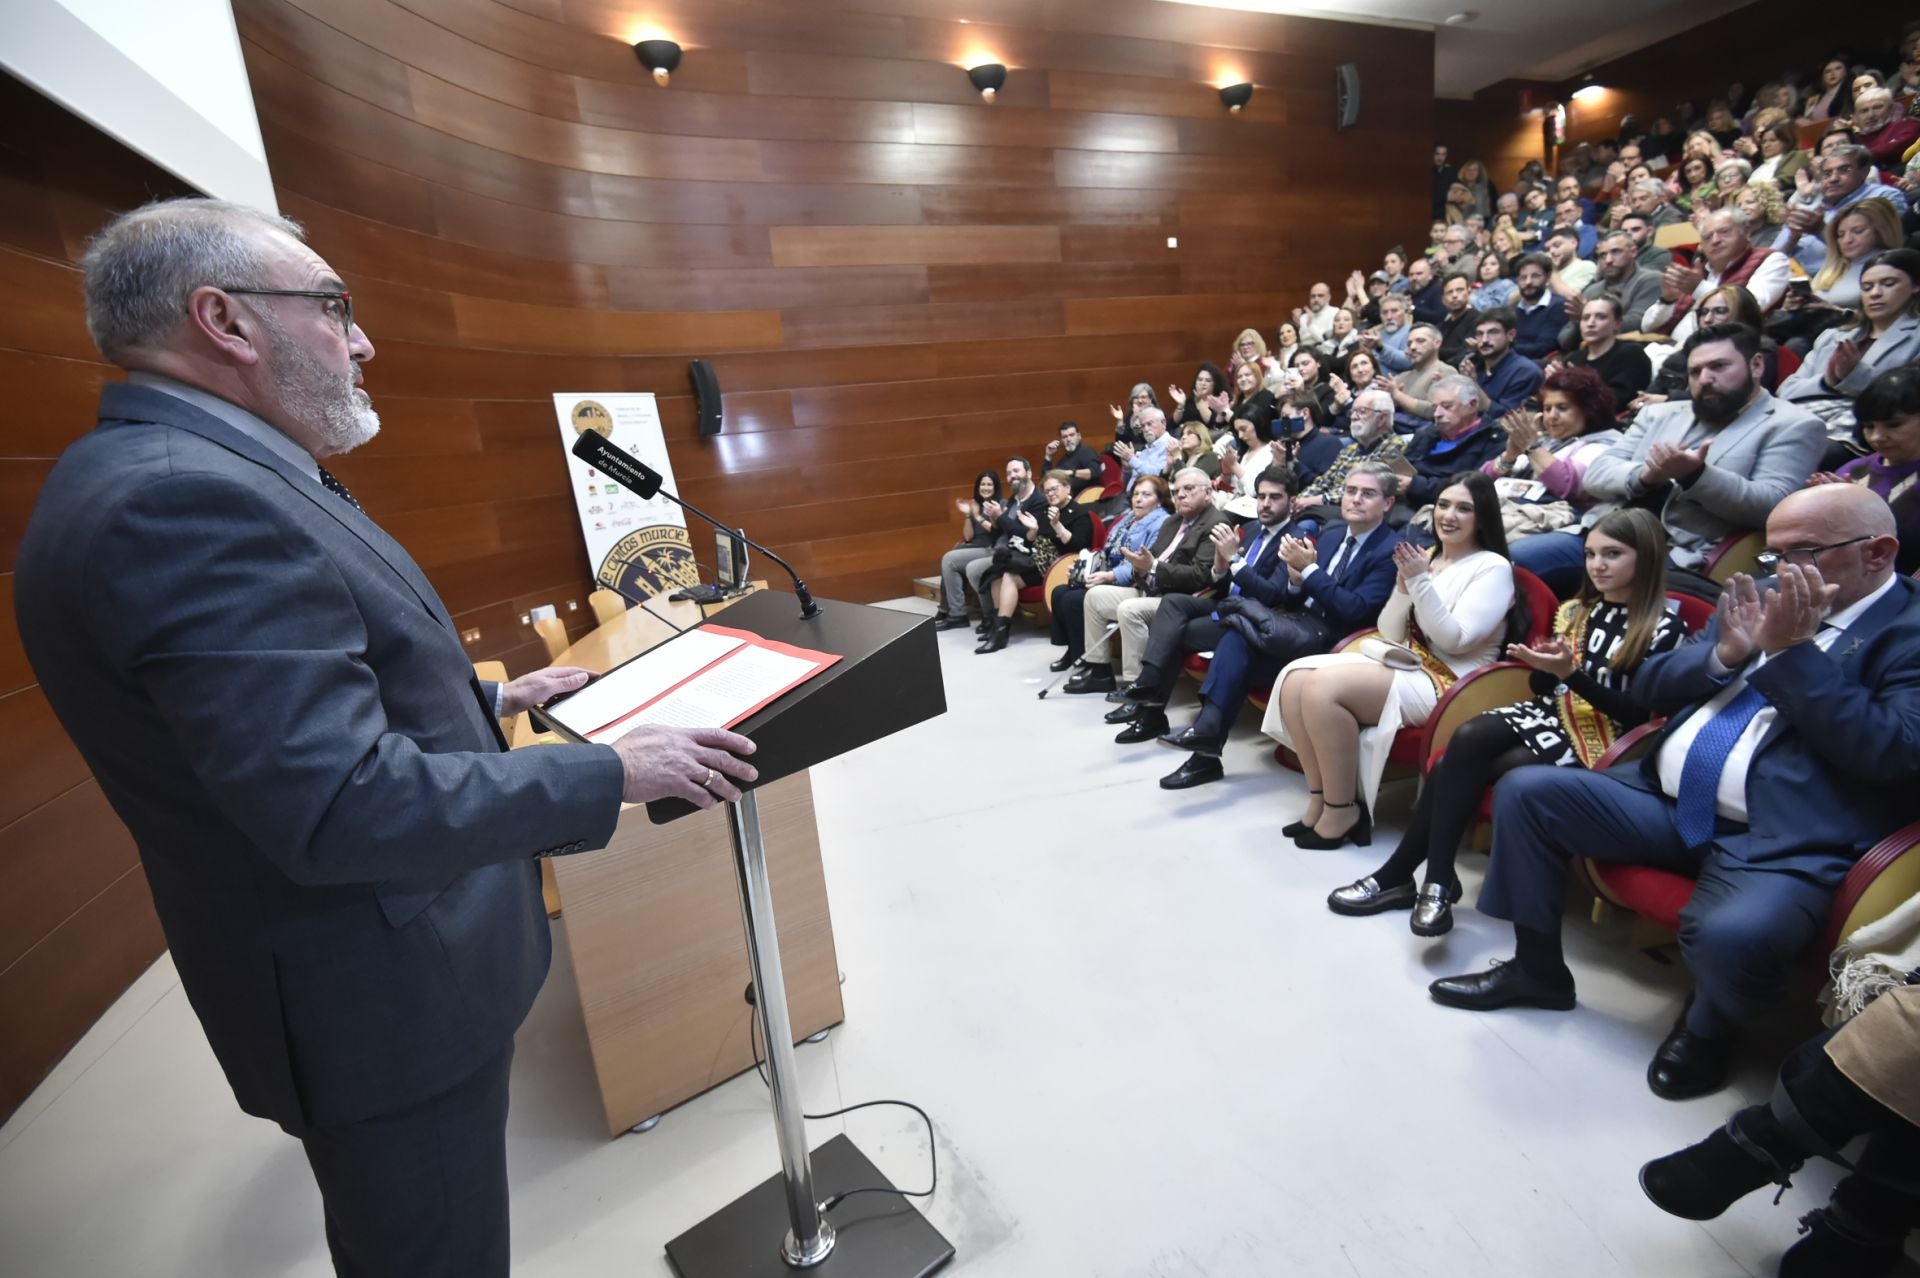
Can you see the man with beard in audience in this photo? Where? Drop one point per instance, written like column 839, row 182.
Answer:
column 1423, row 290
column 1538, row 313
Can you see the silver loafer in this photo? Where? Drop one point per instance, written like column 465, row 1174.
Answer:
column 1366, row 896
column 1433, row 912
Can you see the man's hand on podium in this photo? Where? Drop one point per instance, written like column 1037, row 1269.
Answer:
column 684, row 763
column 540, row 687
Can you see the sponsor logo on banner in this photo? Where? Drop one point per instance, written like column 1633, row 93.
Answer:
column 636, row 546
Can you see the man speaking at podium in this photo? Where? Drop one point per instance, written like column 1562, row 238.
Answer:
column 341, row 849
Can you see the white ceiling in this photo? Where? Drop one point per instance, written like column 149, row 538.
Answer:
column 1512, row 39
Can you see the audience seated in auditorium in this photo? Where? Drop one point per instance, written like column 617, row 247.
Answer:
column 1835, row 95
column 1240, row 467
column 1388, row 342
column 1571, row 272
column 1150, row 458
column 1621, row 365
column 976, row 543
column 1855, row 1079
column 1423, row 290
column 1412, row 389
column 1333, row 588
column 1172, row 565
column 1692, row 188
column 1251, row 348
column 1712, row 467
column 1781, row 155
column 1286, row 346
column 1887, row 420
column 1357, row 372
column 1300, row 441
column 1247, row 390
column 1846, row 358
column 1885, row 132
column 1619, row 275
column 1149, row 502
column 1728, row 304
column 1731, row 257
column 1568, row 216
column 1461, row 437
column 1394, row 265
column 1062, row 527
column 1843, row 182
column 1492, row 289
column 1648, row 198
column 1766, row 211
column 1245, row 565
column 1650, row 256
column 1789, row 751
column 962, row 567
column 1344, row 338
column 1507, row 379
column 1863, row 230
column 1538, row 312
column 1449, row 613
column 1070, row 454
column 1308, row 375
column 1581, row 702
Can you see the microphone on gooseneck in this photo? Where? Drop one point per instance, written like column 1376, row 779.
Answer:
column 604, row 455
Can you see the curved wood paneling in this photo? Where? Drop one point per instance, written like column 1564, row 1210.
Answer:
column 896, row 283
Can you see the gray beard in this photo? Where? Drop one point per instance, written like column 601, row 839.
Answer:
column 340, row 414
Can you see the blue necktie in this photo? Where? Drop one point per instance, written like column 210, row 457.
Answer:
column 1253, row 554
column 1697, row 802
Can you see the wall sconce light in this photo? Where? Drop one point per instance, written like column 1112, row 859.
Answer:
column 1236, row 96
column 1589, row 89
column 662, row 57
column 987, row 77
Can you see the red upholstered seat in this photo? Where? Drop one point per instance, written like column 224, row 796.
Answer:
column 1656, row 895
column 1110, row 477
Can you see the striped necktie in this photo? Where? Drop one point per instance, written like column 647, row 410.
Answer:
column 338, row 489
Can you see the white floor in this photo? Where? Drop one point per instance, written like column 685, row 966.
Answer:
column 1148, row 1047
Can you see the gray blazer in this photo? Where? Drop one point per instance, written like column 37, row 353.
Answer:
column 1899, row 347
column 1641, row 290
column 274, row 700
column 1756, row 460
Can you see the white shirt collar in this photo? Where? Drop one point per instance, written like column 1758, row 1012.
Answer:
column 231, row 414
column 1853, row 611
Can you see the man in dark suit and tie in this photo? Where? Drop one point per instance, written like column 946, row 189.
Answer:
column 1330, row 590
column 1791, row 749
column 340, row 847
column 1246, row 562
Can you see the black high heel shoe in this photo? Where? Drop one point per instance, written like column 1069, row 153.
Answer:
column 1295, row 829
column 1360, row 835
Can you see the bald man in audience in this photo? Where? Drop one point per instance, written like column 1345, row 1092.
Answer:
column 1791, row 743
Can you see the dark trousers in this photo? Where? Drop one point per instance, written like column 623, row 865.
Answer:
column 1238, row 666
column 421, row 1193
column 1740, row 933
column 1182, row 624
column 1884, row 1190
column 1070, row 619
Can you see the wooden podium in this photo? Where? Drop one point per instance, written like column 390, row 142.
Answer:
column 654, row 923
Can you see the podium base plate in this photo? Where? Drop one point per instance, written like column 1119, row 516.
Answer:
column 876, row 1235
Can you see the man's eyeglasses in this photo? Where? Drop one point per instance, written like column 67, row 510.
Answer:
column 341, row 300
column 1771, row 559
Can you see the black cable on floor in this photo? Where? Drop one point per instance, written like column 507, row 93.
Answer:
column 933, row 1154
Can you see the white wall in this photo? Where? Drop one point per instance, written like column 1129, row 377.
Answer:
column 163, row 76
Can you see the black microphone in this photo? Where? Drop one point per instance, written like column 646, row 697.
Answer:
column 604, row 455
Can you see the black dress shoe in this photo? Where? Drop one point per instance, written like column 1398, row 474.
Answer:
column 944, row 622
column 1197, row 770
column 1092, row 679
column 1505, row 984
column 1067, row 662
column 1146, row 725
column 1122, row 713
column 1195, row 742
column 1142, row 690
column 1689, row 1064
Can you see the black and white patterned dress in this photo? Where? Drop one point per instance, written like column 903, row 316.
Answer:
column 1546, row 725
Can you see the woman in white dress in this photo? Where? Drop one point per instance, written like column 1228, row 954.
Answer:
column 1339, row 712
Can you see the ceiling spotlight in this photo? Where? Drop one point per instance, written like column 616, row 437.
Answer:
column 662, row 57
column 1236, row 96
column 1460, row 19
column 987, row 77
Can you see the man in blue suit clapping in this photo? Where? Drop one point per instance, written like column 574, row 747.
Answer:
column 1793, row 740
column 1328, row 591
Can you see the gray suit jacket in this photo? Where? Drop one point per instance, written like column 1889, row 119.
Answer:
column 1641, row 290
column 1898, row 348
column 276, row 703
column 1755, row 461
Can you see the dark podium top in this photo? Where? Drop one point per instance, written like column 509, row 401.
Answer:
column 887, row 679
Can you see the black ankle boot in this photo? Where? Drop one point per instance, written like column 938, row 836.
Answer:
column 1703, row 1180
column 997, row 637
column 1839, row 1242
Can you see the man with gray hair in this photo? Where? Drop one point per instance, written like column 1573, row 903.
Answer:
column 1152, row 457
column 1843, row 183
column 1374, row 440
column 1459, row 438
column 1648, row 198
column 1731, row 257
column 1175, row 563
column 341, row 849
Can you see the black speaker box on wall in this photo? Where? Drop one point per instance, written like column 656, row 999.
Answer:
column 706, row 389
column 1346, row 95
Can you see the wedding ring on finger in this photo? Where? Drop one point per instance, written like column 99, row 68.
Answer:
column 708, row 783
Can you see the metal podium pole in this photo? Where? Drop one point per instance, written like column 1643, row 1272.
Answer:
column 884, row 1237
column 810, row 1239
